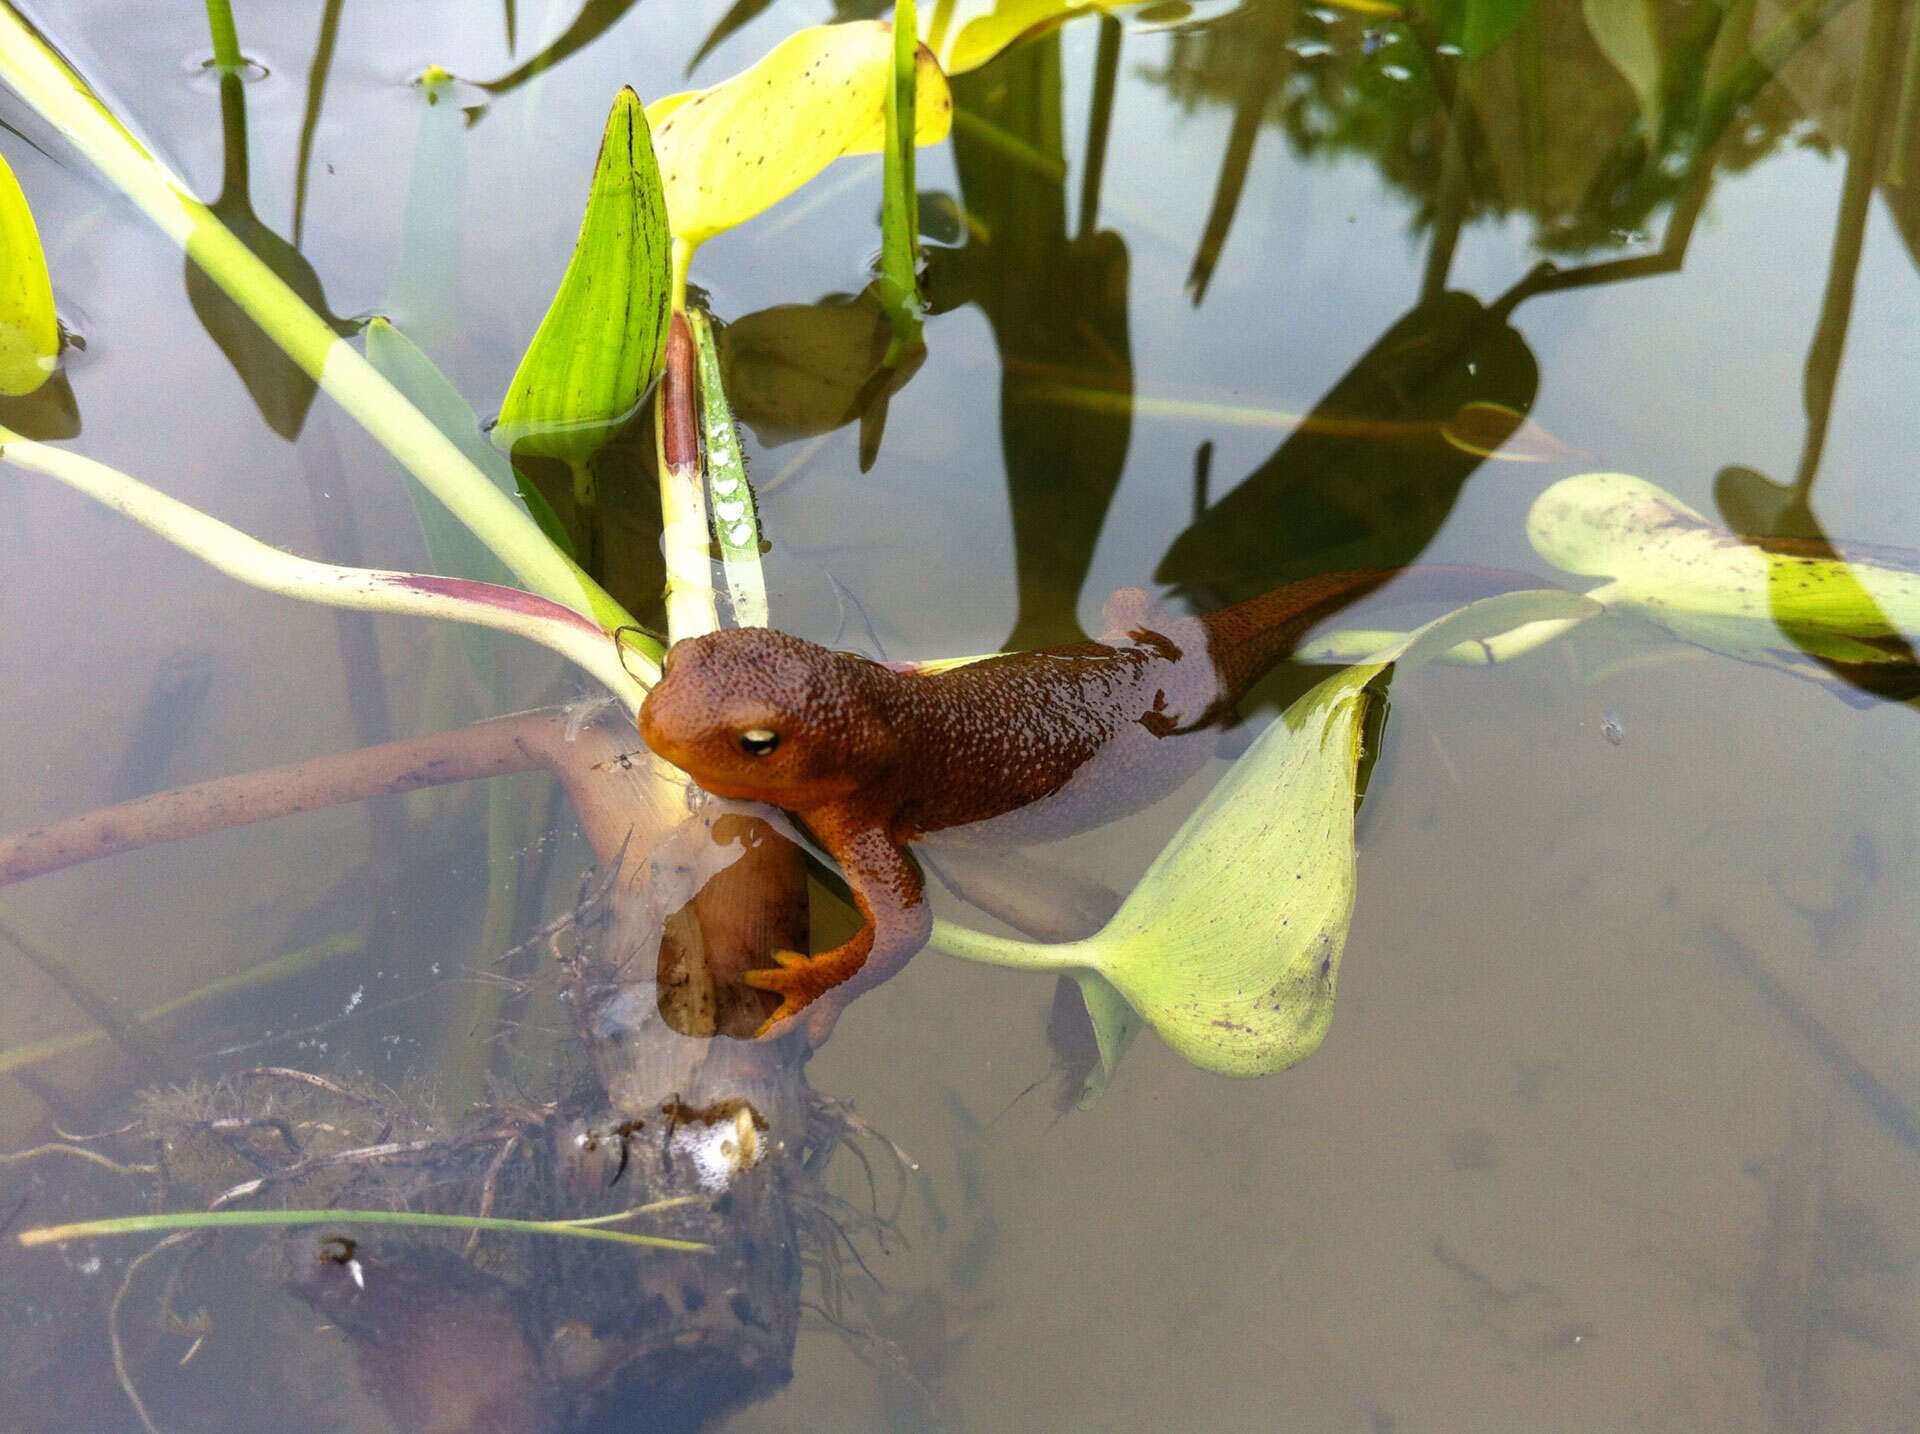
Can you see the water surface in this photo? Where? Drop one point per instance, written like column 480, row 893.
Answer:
column 1615, row 1125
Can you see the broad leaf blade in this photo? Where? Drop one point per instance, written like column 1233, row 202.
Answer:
column 29, row 332
column 1712, row 587
column 729, row 152
column 1231, row 943
column 599, row 347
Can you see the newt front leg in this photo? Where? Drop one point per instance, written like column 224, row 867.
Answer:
column 892, row 899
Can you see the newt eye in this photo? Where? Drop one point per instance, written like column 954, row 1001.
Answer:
column 758, row 741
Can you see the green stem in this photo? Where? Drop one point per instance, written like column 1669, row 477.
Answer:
column 899, row 286
column 577, row 638
column 1049, row 167
column 287, row 1219
column 226, row 39
column 736, row 520
column 310, row 119
column 971, row 945
column 274, row 969
column 1106, row 73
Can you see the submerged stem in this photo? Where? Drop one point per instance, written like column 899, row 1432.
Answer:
column 287, row 1219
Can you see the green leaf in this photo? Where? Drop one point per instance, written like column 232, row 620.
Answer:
column 729, row 152
column 1706, row 585
column 452, row 549
column 599, row 347
column 1230, row 944
column 29, row 332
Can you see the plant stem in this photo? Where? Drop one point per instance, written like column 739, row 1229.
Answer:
column 488, row 749
column 899, row 203
column 973, row 945
column 1849, row 238
column 275, row 968
column 563, row 629
column 98, row 1007
column 1906, row 122
column 285, row 1219
column 226, row 39
column 683, row 507
column 736, row 519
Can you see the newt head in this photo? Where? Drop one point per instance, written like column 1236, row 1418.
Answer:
column 765, row 716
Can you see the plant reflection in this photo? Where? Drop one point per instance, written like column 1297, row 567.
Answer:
column 1055, row 302
column 280, row 389
column 1779, row 517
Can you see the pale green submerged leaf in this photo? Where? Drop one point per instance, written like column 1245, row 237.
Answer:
column 1708, row 586
column 29, row 332
column 740, row 147
column 1230, row 944
column 1628, row 34
column 599, row 347
column 450, row 544
column 452, row 549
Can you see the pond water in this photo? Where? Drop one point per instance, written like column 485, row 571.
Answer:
column 1616, row 1124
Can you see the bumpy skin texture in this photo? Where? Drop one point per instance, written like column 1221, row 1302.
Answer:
column 1022, row 747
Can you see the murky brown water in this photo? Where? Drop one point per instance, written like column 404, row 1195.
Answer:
column 1616, row 1124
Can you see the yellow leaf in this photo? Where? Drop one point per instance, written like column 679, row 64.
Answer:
column 980, row 39
column 29, row 333
column 729, row 152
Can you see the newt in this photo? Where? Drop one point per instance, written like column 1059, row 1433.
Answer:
column 1021, row 747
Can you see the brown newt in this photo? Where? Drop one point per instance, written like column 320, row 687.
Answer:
column 1021, row 747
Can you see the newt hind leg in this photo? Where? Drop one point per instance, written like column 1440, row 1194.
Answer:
column 887, row 888
column 800, row 980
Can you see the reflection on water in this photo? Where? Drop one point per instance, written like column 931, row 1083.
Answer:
column 1615, row 1126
